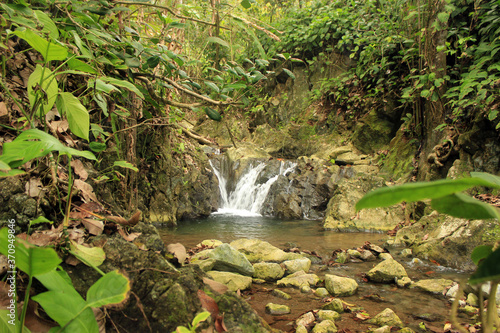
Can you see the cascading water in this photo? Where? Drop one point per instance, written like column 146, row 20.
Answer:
column 248, row 196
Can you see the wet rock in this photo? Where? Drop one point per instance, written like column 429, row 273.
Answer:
column 354, row 253
column 277, row 309
column 433, row 286
column 287, row 206
column 202, row 255
column 268, row 271
column 403, row 282
column 373, row 132
column 340, row 286
column 232, row 280
column 298, row 280
column 257, row 250
column 342, row 257
column 212, row 243
column 328, row 315
column 206, row 264
column 306, row 319
column 280, row 294
column 296, row 265
column 387, row 271
column 301, row 329
column 385, row 256
column 326, row 326
column 367, row 256
column 334, row 305
column 321, row 292
column 229, row 259
column 386, row 317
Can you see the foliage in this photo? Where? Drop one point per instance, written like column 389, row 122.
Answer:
column 202, row 316
column 445, row 198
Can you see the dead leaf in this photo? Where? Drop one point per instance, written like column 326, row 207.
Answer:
column 86, row 189
column 179, row 252
column 425, row 237
column 95, row 227
column 33, row 187
column 41, row 238
column 34, row 322
column 71, row 260
column 79, row 169
column 219, row 324
column 134, row 219
column 3, row 109
column 128, row 237
column 216, row 286
column 76, row 235
column 209, row 304
column 59, row 126
column 362, row 316
column 117, row 219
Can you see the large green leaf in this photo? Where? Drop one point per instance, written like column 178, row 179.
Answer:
column 112, row 288
column 8, row 325
column 50, row 51
column 48, row 25
column 43, row 77
column 57, row 280
column 217, row 40
column 30, row 259
column 79, row 65
column 388, row 196
column 492, row 179
column 92, row 256
column 123, row 84
column 212, row 86
column 481, row 252
column 24, row 149
column 463, row 206
column 488, row 269
column 126, row 165
column 77, row 115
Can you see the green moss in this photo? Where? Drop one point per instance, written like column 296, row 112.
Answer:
column 399, row 160
column 492, row 233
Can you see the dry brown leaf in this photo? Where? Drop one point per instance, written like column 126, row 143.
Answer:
column 117, row 219
column 179, row 252
column 41, row 238
column 134, row 219
column 72, row 260
column 33, row 187
column 59, row 126
column 76, row 235
column 35, row 323
column 79, row 169
column 86, row 189
column 216, row 286
column 95, row 227
column 208, row 303
column 3, row 109
column 128, row 237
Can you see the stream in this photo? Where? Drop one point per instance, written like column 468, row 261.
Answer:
column 239, row 217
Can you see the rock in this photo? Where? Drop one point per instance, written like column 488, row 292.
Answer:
column 403, row 282
column 367, row 256
column 386, row 317
column 328, row 315
column 258, row 281
column 373, row 132
column 321, row 292
column 326, row 326
column 292, row 266
column 306, row 289
column 301, row 329
column 472, row 299
column 452, row 292
column 206, row 264
column 287, row 206
column 486, row 287
column 406, row 253
column 342, row 257
column 385, row 256
column 354, row 253
column 298, row 280
column 340, row 286
column 268, row 271
column 306, row 319
column 383, row 329
column 228, row 259
column 433, row 286
column 257, row 250
column 406, row 330
column 277, row 309
column 334, row 305
column 212, row 243
column 202, row 255
column 232, row 280
column 280, row 294
column 387, row 271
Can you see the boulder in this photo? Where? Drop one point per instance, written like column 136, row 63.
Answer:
column 326, row 326
column 277, row 309
column 367, row 256
column 335, row 305
column 292, row 266
column 287, row 206
column 433, row 286
column 232, row 280
column 298, row 280
column 403, row 282
column 340, row 286
column 385, row 256
column 301, row 329
column 387, row 271
column 354, row 253
column 328, row 315
column 212, row 243
column 257, row 250
column 386, row 317
column 321, row 292
column 280, row 294
column 268, row 271
column 306, row 319
column 228, row 259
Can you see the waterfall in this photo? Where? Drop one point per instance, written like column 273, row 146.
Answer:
column 248, row 196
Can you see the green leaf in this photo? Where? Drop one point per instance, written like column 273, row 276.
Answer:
column 112, row 288
column 494, row 181
column 212, row 114
column 4, row 166
column 488, row 269
column 97, row 146
column 289, row 73
column 126, row 165
column 30, row 259
column 480, row 252
column 48, row 25
column 40, row 219
column 182, row 329
column 79, row 65
column 212, row 86
column 200, row 317
column 463, row 206
column 101, row 86
column 7, row 324
column 57, row 280
column 123, row 84
column 77, row 114
column 133, row 62
column 388, row 196
column 443, row 17
column 217, row 40
column 43, row 78
column 246, row 4
column 91, row 256
column 49, row 51
column 11, row 173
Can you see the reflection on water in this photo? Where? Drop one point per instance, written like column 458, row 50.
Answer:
column 305, row 234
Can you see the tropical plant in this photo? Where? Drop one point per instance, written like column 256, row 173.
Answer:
column 446, row 198
column 202, row 316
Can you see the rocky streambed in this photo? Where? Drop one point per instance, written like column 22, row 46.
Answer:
column 355, row 290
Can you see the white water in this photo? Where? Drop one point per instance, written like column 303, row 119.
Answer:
column 248, row 197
